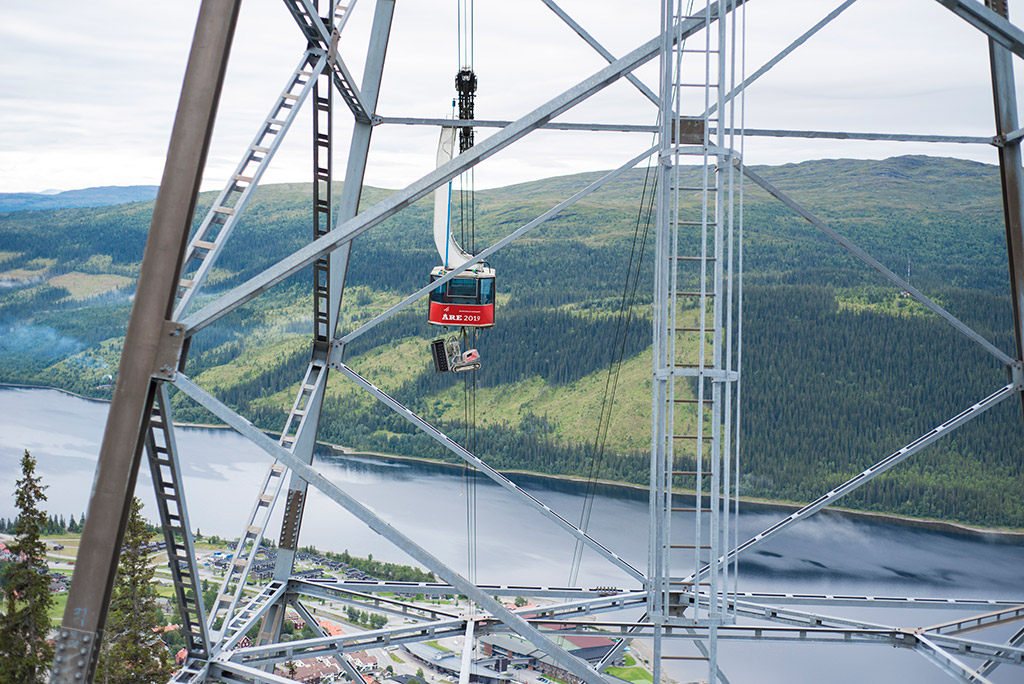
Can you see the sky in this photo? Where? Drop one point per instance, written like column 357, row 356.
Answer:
column 90, row 88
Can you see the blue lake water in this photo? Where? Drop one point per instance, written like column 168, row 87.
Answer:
column 826, row 554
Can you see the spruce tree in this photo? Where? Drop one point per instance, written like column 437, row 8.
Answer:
column 24, row 654
column 132, row 652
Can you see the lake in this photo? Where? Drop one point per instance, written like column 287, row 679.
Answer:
column 826, row 554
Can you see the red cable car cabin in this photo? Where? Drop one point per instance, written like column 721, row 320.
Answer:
column 467, row 300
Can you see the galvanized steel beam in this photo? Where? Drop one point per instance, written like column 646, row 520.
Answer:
column 996, row 27
column 384, row 605
column 776, row 599
column 989, row 665
column 440, row 588
column 850, row 135
column 502, row 123
column 877, row 469
column 652, row 128
column 947, row 662
column 1011, row 158
column 600, row 49
column 120, row 452
column 979, row 622
column 233, row 672
column 359, row 149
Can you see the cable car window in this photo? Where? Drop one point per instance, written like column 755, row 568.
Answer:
column 437, row 294
column 487, row 290
column 462, row 287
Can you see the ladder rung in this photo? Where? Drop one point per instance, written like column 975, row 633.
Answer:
column 266, row 498
column 690, row 510
column 706, row 329
column 688, row 546
column 262, row 150
column 691, row 472
column 694, row 294
column 204, row 244
column 223, row 210
column 243, row 179
column 694, row 258
column 679, row 657
column 692, row 365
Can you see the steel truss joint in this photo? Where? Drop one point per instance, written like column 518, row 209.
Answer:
column 336, row 357
column 1016, row 373
column 76, row 654
column 168, row 351
column 905, row 638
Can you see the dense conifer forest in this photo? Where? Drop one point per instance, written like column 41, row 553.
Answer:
column 839, row 369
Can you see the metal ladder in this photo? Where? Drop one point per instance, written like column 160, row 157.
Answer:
column 245, row 618
column 695, row 370
column 245, row 551
column 207, row 243
column 161, row 451
column 192, row 672
column 304, row 11
column 322, row 217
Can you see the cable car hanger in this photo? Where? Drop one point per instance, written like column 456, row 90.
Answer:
column 468, row 299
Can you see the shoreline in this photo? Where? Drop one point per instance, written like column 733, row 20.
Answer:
column 870, row 516
column 946, row 526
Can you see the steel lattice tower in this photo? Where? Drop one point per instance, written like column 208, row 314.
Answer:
column 689, row 590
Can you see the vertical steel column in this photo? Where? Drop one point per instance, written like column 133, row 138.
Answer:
column 145, row 345
column 661, row 442
column 1011, row 172
column 335, row 272
column 359, row 148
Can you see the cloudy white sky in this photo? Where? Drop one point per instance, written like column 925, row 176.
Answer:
column 89, row 88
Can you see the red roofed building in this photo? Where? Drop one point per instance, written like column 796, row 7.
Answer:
column 331, row 628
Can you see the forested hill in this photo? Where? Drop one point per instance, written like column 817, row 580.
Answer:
column 839, row 369
column 89, row 197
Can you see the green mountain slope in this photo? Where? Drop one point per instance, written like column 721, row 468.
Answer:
column 839, row 370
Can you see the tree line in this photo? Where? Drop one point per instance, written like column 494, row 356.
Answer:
column 52, row 526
